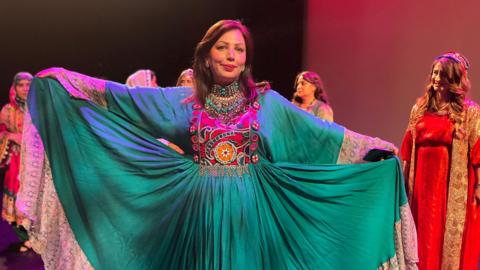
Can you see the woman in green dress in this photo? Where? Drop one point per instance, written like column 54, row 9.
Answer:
column 247, row 193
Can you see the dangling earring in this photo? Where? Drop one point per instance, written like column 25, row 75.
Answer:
column 207, row 65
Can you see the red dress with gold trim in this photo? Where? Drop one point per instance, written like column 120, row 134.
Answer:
column 433, row 144
column 12, row 117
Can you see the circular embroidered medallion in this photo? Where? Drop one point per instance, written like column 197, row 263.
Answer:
column 225, row 152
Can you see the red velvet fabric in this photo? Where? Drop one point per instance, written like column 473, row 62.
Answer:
column 471, row 236
column 434, row 137
column 11, row 183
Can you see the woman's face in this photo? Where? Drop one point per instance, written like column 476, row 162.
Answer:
column 186, row 80
column 21, row 88
column 305, row 89
column 438, row 81
column 227, row 57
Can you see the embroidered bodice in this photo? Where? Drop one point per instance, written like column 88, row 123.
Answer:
column 225, row 148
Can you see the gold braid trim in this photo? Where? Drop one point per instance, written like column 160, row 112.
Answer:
column 457, row 184
column 223, row 170
column 458, row 189
column 84, row 87
column 473, row 122
column 411, row 169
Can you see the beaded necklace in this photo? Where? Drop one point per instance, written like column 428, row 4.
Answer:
column 225, row 102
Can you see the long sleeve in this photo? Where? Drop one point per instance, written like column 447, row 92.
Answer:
column 406, row 156
column 293, row 135
column 159, row 111
column 473, row 123
column 83, row 87
column 475, row 155
column 105, row 168
column 290, row 134
column 406, row 148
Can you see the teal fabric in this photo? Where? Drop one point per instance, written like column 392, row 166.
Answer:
column 133, row 203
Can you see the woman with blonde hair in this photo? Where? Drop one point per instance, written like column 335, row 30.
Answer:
column 441, row 157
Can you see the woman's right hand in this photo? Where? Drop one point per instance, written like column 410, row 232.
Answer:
column 54, row 73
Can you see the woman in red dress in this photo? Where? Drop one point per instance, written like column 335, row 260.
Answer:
column 11, row 117
column 441, row 157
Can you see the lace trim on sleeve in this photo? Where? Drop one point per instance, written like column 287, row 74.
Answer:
column 47, row 225
column 355, row 146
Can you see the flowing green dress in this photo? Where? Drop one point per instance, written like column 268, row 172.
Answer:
column 131, row 202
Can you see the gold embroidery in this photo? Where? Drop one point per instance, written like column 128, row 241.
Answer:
column 411, row 169
column 223, row 170
column 458, row 189
column 84, row 87
column 456, row 205
column 458, row 183
column 12, row 118
column 473, row 123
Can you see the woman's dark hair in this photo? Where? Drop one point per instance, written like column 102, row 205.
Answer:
column 313, row 78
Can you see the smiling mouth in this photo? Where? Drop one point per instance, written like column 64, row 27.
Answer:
column 228, row 68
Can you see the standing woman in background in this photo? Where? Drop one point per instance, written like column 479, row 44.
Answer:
column 143, row 78
column 441, row 157
column 11, row 117
column 186, row 78
column 310, row 95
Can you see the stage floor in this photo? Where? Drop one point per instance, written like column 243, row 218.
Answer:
column 10, row 257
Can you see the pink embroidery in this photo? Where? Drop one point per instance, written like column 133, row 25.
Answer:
column 219, row 144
